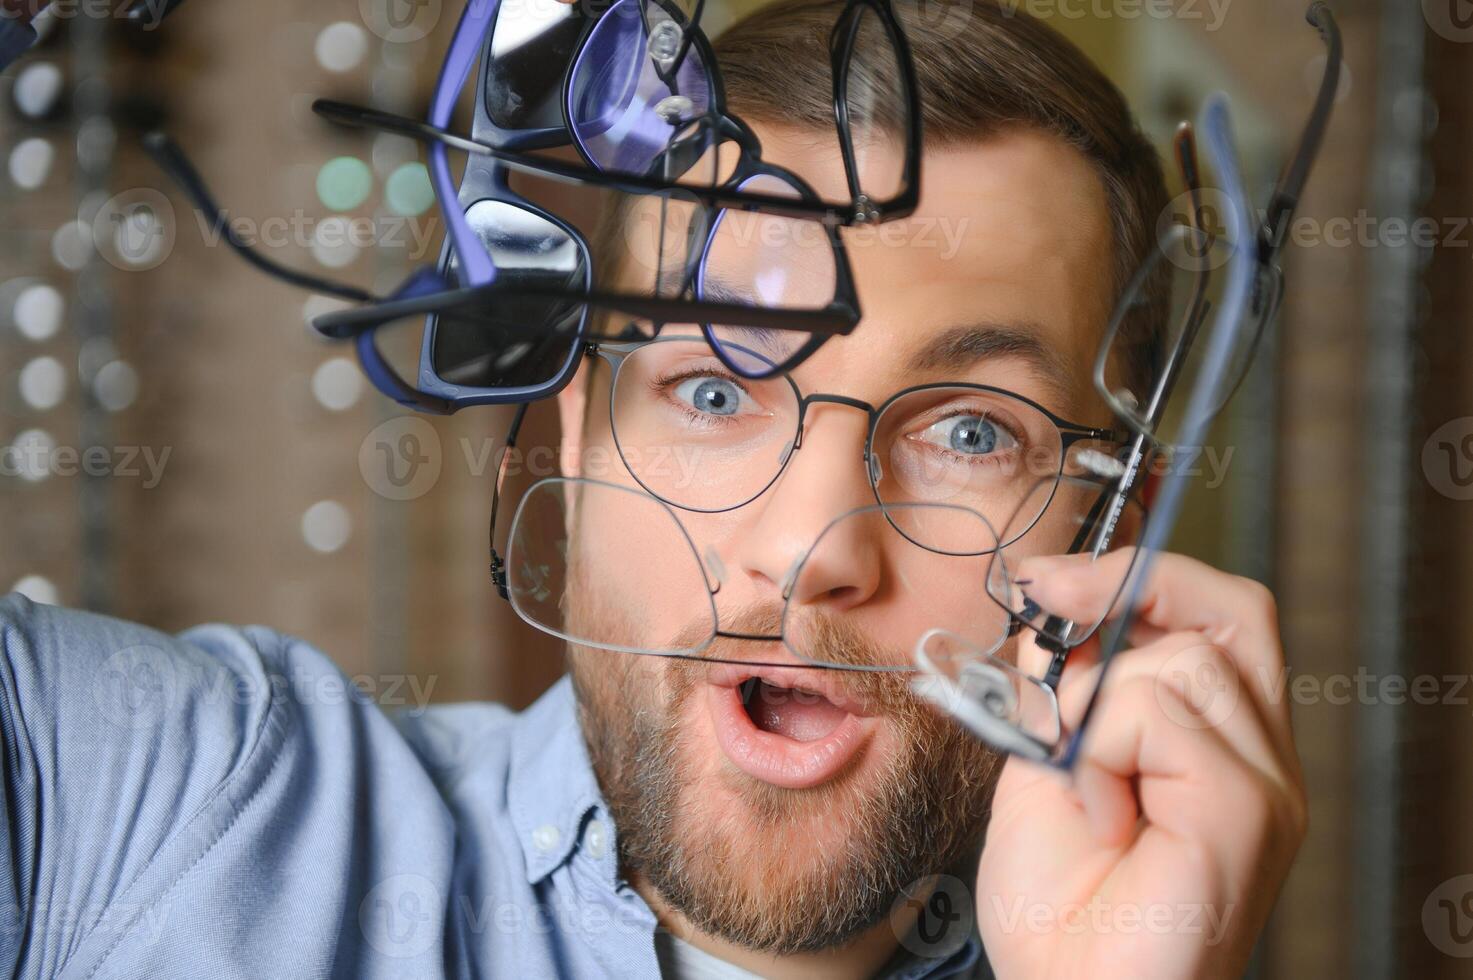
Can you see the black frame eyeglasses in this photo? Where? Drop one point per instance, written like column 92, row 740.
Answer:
column 550, row 347
column 693, row 104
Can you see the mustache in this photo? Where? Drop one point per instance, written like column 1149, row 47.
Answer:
column 829, row 639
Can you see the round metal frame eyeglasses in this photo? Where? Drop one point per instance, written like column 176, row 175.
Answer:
column 1035, row 442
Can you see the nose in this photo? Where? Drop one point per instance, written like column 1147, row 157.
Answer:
column 824, row 479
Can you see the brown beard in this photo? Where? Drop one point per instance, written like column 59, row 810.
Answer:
column 751, row 879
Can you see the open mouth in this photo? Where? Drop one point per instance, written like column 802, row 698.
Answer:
column 791, row 727
column 791, row 712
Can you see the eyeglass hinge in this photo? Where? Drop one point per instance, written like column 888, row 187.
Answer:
column 498, row 575
column 864, row 210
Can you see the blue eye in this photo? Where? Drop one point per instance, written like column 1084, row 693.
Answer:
column 970, row 435
column 711, row 396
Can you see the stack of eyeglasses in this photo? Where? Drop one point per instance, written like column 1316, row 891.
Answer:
column 713, row 236
column 718, row 294
column 994, row 665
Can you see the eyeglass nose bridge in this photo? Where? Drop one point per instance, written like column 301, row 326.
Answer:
column 844, row 400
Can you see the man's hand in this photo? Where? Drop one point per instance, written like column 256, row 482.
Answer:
column 1164, row 851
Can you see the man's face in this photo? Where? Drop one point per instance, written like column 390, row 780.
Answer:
column 784, row 807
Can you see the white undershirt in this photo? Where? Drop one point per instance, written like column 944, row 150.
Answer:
column 679, row 960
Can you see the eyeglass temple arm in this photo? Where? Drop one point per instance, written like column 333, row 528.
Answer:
column 1291, row 183
column 837, row 319
column 498, row 565
column 171, row 158
column 721, row 196
column 1144, row 419
column 476, row 266
column 1185, row 144
column 387, row 380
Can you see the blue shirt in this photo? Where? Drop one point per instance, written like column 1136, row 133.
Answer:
column 225, row 804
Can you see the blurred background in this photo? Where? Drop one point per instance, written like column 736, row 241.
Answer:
column 178, row 447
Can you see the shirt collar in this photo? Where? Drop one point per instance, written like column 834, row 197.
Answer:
column 551, row 787
column 965, row 962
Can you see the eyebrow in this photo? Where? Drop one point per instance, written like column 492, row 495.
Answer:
column 956, row 349
column 756, row 339
column 962, row 347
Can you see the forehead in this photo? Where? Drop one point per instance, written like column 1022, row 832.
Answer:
column 1013, row 231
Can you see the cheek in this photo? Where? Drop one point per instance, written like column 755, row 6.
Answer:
column 598, row 456
column 640, row 678
column 617, row 684
column 938, row 592
column 641, row 568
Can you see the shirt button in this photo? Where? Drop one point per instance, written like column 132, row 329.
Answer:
column 545, row 838
column 597, row 838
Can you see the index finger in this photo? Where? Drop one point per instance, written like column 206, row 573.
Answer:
column 1179, row 594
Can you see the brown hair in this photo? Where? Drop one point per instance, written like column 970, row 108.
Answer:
column 983, row 67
